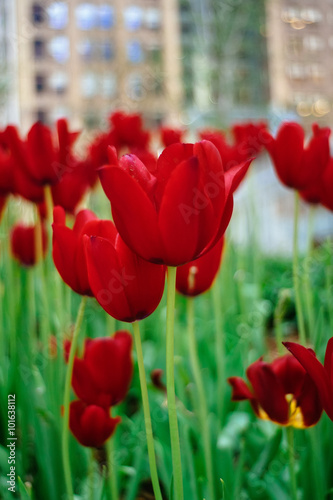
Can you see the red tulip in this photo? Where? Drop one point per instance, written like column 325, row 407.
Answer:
column 23, row 243
column 126, row 286
column 127, row 131
column 281, row 391
column 103, row 376
column 326, row 198
column 322, row 376
column 196, row 277
column 296, row 166
column 249, row 137
column 177, row 213
column 72, row 186
column 91, row 425
column 68, row 250
column 170, row 136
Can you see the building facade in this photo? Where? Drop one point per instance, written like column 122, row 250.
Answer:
column 82, row 59
column 300, row 48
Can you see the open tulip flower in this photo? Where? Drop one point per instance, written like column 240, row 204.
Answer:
column 126, row 286
column 322, row 375
column 196, row 277
column 177, row 212
column 68, row 249
column 281, row 391
column 91, row 425
column 298, row 167
column 103, row 376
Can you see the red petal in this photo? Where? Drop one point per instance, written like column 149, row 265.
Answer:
column 133, row 212
column 317, row 372
column 309, row 402
column 268, row 391
column 107, row 279
column 180, row 211
column 288, row 153
column 145, row 286
column 240, row 390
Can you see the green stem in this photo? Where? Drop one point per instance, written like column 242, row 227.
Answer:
column 67, row 392
column 146, row 412
column 112, row 482
column 202, row 403
column 291, row 462
column 298, row 301
column 307, row 283
column 91, row 476
column 220, row 349
column 170, row 381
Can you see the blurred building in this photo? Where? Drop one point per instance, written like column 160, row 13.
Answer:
column 300, row 47
column 81, row 59
column 224, row 60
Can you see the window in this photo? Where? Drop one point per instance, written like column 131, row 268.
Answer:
column 86, row 16
column 155, row 54
column 109, row 85
column 105, row 17
column 89, row 85
column 58, row 15
column 290, row 14
column 106, row 51
column 311, row 15
column 41, row 115
column 38, row 14
column 59, row 48
column 153, row 19
column 297, row 71
column 58, row 82
column 85, row 49
column 135, row 87
column 134, row 52
column 313, row 43
column 40, row 83
column 39, row 48
column 133, row 18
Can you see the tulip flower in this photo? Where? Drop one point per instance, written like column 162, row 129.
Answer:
column 322, row 375
column 68, row 250
column 249, row 138
column 23, row 243
column 196, row 277
column 126, row 286
column 127, row 131
column 326, row 198
column 180, row 211
column 298, row 167
column 103, row 376
column 72, row 186
column 90, row 424
column 281, row 392
column 170, row 136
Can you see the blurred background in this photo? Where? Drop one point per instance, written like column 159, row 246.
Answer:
column 190, row 63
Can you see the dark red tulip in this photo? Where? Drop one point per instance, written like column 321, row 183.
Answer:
column 196, row 277
column 280, row 391
column 171, row 135
column 321, row 375
column 90, row 424
column 126, row 286
column 249, row 138
column 180, row 211
column 68, row 249
column 23, row 243
column 103, row 376
column 298, row 167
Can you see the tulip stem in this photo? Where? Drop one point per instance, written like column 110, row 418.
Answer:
column 170, row 380
column 220, row 349
column 291, row 462
column 202, row 403
column 146, row 413
column 307, row 282
column 112, row 481
column 67, row 392
column 296, row 277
